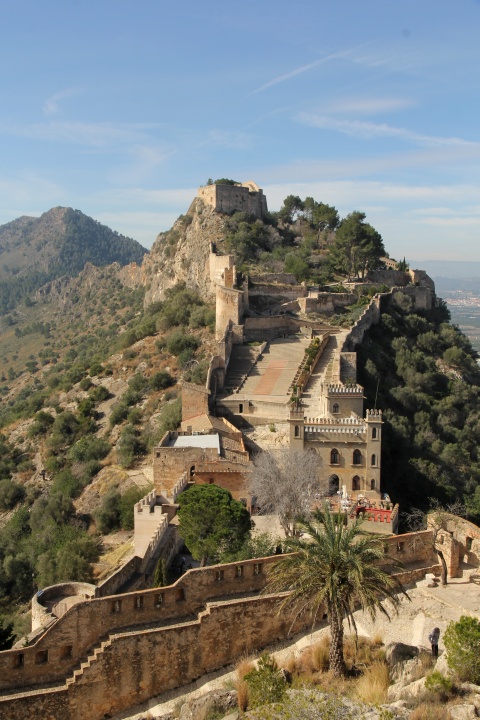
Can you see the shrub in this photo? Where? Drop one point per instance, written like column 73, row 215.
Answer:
column 439, row 685
column 161, row 380
column 177, row 342
column 462, row 641
column 266, row 684
column 126, row 505
column 430, row 711
column 11, row 493
column 99, row 393
column 107, row 516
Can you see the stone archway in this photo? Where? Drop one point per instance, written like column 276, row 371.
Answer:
column 333, row 484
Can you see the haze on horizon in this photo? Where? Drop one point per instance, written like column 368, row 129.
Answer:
column 123, row 109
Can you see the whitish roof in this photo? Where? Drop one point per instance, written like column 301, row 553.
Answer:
column 198, row 441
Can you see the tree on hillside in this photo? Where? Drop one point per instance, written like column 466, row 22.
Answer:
column 462, row 640
column 284, row 483
column 292, row 206
column 335, row 569
column 212, row 521
column 357, row 247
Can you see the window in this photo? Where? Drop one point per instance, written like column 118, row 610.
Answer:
column 257, row 568
column 297, row 431
column 372, row 484
column 116, row 606
column 211, row 481
column 400, row 547
column 138, row 604
column 239, row 571
column 334, row 457
column 336, row 408
column 374, row 460
column 468, row 543
column 66, row 652
column 159, row 600
column 41, row 657
column 180, row 595
column 219, row 576
column 240, row 408
column 374, row 433
column 357, row 457
column 356, row 483
column 19, row 660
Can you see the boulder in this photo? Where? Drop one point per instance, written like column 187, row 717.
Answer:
column 408, row 671
column 399, row 691
column 397, row 652
column 462, row 712
column 222, row 701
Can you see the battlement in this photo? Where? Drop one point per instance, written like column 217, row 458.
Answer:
column 350, row 421
column 374, row 415
column 340, row 389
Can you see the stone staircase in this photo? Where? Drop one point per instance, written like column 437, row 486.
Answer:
column 242, row 360
column 79, row 672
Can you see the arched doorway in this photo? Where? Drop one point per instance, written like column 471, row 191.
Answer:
column 333, row 484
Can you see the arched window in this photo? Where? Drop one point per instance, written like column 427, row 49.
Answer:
column 335, row 408
column 333, row 484
column 374, row 433
column 356, row 483
column 192, row 471
column 357, row 457
column 297, row 430
column 372, row 484
column 334, row 457
column 374, row 460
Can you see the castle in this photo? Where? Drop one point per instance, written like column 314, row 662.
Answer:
column 97, row 650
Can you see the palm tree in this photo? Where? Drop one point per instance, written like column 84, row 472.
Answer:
column 335, row 569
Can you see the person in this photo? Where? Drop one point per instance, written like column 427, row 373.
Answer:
column 433, row 638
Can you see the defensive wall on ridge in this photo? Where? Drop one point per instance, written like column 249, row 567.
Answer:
column 136, row 645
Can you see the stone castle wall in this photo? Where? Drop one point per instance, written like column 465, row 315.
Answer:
column 228, row 199
column 143, row 652
column 229, row 309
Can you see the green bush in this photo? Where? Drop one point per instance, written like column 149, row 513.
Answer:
column 178, row 341
column 107, row 516
column 99, row 393
column 161, row 380
column 126, row 505
column 462, row 642
column 440, row 685
column 266, row 684
column 11, row 493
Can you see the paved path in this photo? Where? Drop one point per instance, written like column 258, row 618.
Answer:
column 326, row 370
column 274, row 372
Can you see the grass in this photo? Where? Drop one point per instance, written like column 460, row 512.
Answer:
column 244, row 666
column 430, row 711
column 372, row 686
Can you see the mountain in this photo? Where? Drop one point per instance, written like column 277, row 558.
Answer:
column 34, row 251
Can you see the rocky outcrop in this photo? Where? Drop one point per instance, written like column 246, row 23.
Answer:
column 182, row 253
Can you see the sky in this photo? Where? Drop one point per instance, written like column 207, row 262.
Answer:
column 122, row 108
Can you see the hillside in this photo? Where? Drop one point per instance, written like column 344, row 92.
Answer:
column 60, row 242
column 92, row 365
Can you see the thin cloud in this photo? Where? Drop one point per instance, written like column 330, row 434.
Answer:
column 95, row 135
column 370, row 106
column 51, row 104
column 368, row 130
column 297, row 71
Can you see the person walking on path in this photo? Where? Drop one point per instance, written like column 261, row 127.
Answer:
column 433, row 639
